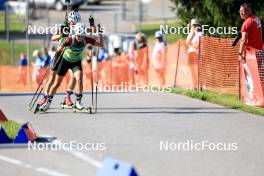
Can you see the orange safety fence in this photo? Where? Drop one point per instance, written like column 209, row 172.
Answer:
column 15, row 78
column 185, row 67
column 251, row 83
column 260, row 61
column 219, row 65
column 215, row 67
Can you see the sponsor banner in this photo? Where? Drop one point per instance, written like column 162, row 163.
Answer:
column 251, row 90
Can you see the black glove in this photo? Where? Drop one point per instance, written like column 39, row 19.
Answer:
column 237, row 38
column 64, row 30
column 100, row 29
column 91, row 20
column 56, row 60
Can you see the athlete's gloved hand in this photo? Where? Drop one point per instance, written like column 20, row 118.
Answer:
column 91, row 20
column 100, row 29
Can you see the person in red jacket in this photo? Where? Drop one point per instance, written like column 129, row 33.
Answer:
column 251, row 30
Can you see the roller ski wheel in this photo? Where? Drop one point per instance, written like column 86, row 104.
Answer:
column 65, row 106
column 89, row 110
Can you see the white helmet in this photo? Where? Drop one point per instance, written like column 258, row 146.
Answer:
column 80, row 29
column 159, row 34
column 74, row 16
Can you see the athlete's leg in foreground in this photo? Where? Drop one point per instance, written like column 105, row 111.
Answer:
column 51, row 93
column 79, row 88
column 71, row 85
column 54, row 68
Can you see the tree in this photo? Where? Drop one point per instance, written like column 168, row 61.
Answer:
column 224, row 13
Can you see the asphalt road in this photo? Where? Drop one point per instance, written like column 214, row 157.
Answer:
column 132, row 127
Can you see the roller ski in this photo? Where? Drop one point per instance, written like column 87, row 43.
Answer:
column 67, row 103
column 41, row 103
column 42, row 108
column 77, row 107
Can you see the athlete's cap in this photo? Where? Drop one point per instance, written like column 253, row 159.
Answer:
column 194, row 21
column 158, row 34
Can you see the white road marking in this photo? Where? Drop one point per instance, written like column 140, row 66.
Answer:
column 49, row 172
column 86, row 158
column 10, row 160
column 29, row 166
column 81, row 156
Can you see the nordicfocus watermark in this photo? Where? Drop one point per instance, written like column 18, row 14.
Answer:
column 72, row 145
column 138, row 87
column 191, row 145
column 58, row 29
column 166, row 29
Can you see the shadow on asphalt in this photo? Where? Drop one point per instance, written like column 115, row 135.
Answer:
column 163, row 112
column 188, row 108
column 154, row 110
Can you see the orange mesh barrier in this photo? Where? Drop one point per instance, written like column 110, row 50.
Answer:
column 142, row 65
column 214, row 68
column 12, row 79
column 170, row 66
column 219, row 66
column 260, row 60
column 185, row 67
column 120, row 69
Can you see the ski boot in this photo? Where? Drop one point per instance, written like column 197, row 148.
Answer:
column 43, row 100
column 41, row 103
column 67, row 103
column 79, row 108
column 42, row 108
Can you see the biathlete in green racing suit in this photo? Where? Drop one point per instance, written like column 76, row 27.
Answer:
column 72, row 59
column 63, row 33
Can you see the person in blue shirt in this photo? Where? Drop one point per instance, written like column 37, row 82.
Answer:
column 23, row 60
column 22, row 69
column 46, row 57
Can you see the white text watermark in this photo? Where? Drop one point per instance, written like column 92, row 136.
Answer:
column 166, row 29
column 71, row 145
column 191, row 145
column 58, row 29
column 138, row 87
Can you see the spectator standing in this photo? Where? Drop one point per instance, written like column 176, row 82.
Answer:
column 193, row 41
column 194, row 36
column 52, row 52
column 139, row 51
column 251, row 31
column 38, row 65
column 22, row 69
column 159, row 57
column 46, row 57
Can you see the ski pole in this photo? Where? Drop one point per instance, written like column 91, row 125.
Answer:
column 91, row 21
column 47, row 71
column 54, row 65
column 96, row 78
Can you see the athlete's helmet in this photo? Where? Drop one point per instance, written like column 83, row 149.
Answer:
column 79, row 29
column 74, row 16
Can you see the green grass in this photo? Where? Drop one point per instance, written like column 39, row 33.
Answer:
column 11, row 128
column 151, row 27
column 16, row 23
column 229, row 101
column 10, row 52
